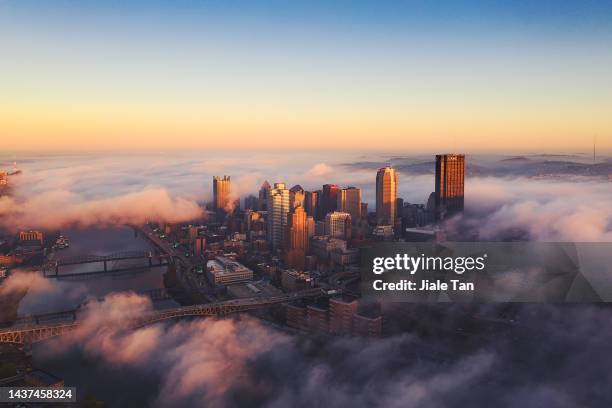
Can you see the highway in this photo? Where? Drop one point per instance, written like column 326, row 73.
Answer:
column 164, row 246
column 185, row 265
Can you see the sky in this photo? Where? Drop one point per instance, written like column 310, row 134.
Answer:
column 367, row 75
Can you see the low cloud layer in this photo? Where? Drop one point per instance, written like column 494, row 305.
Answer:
column 62, row 208
column 21, row 281
column 55, row 192
column 534, row 362
column 538, row 210
column 197, row 361
column 241, row 361
column 554, row 356
column 43, row 295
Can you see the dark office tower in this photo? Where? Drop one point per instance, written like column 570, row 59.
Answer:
column 310, row 202
column 364, row 211
column 221, row 194
column 251, row 202
column 264, row 193
column 386, row 194
column 329, row 200
column 296, row 196
column 450, row 176
column 349, row 201
column 399, row 206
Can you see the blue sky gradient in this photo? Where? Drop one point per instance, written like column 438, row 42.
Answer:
column 515, row 71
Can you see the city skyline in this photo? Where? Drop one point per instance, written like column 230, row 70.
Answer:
column 295, row 275
column 477, row 76
column 264, row 203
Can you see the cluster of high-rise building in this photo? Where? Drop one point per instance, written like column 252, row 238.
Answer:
column 298, row 238
column 283, row 221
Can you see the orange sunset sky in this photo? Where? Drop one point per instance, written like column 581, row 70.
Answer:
column 150, row 76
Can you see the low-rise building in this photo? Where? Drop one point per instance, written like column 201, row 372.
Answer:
column 367, row 326
column 296, row 316
column 292, row 280
column 323, row 246
column 317, row 318
column 383, row 233
column 345, row 257
column 341, row 313
column 252, row 289
column 223, row 271
column 31, row 236
column 10, row 260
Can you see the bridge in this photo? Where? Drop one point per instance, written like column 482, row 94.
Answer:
column 51, row 268
column 156, row 295
column 33, row 333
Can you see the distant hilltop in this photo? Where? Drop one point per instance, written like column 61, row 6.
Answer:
column 539, row 166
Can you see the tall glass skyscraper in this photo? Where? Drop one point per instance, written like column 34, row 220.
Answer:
column 386, row 195
column 296, row 243
column 328, row 200
column 221, row 193
column 264, row 193
column 278, row 208
column 450, row 181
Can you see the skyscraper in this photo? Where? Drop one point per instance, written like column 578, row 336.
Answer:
column 338, row 225
column 221, row 193
column 251, row 202
column 296, row 238
column 399, row 206
column 349, row 201
column 310, row 202
column 264, row 193
column 450, row 180
column 386, row 194
column 364, row 211
column 278, row 208
column 328, row 201
column 296, row 196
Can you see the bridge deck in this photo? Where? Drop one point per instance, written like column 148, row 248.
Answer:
column 31, row 333
column 51, row 267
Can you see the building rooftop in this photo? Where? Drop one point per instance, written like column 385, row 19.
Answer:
column 225, row 265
